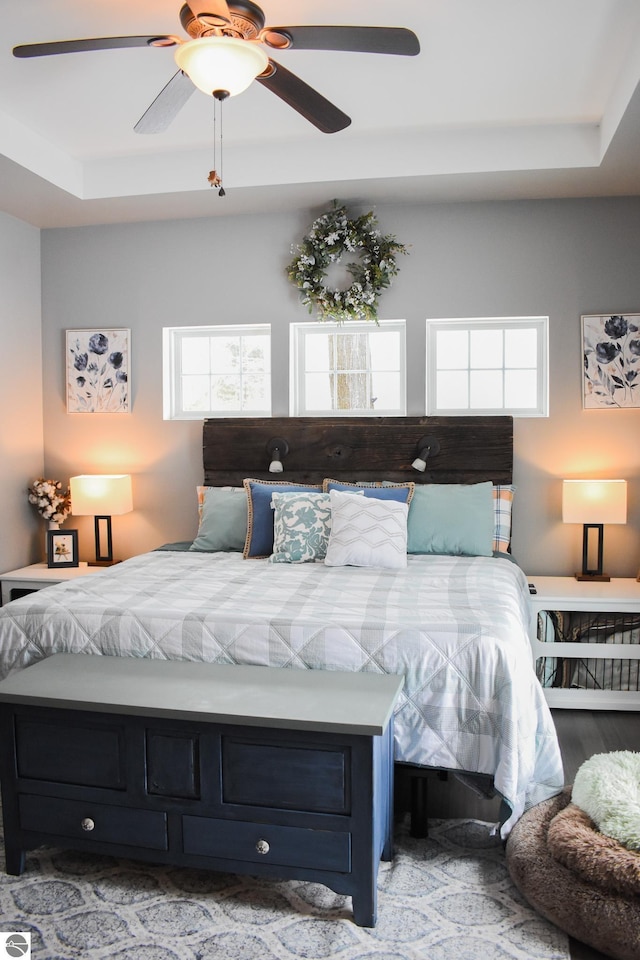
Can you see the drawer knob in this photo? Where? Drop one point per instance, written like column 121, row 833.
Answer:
column 87, row 824
column 262, row 846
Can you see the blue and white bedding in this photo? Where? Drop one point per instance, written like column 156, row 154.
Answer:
column 456, row 627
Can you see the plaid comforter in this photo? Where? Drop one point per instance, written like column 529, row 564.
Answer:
column 456, row 627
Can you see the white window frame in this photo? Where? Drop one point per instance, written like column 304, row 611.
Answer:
column 172, row 340
column 540, row 324
column 298, row 346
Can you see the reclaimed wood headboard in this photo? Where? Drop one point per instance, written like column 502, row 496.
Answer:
column 471, row 449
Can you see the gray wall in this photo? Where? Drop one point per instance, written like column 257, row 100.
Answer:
column 555, row 258
column 21, row 444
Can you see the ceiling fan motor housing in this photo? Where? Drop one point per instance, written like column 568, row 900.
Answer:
column 247, row 20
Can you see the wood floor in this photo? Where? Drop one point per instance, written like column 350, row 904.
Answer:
column 581, row 733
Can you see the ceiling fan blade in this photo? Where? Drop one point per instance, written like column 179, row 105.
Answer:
column 216, row 13
column 303, row 98
column 167, row 105
column 396, row 40
column 92, row 43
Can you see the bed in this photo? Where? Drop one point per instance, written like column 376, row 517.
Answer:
column 454, row 624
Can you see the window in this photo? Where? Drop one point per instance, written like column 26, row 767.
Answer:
column 484, row 366
column 217, row 372
column 347, row 369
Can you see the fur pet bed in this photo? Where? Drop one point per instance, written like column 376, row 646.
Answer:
column 607, row 920
column 607, row 788
column 574, row 840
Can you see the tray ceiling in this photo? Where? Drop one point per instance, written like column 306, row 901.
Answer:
column 508, row 98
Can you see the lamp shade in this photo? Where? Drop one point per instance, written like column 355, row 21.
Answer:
column 221, row 63
column 101, row 495
column 594, row 501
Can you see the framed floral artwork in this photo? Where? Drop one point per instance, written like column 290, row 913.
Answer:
column 62, row 548
column 97, row 371
column 611, row 356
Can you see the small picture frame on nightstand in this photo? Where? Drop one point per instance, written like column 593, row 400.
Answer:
column 62, row 548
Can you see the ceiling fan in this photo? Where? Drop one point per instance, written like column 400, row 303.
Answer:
column 225, row 54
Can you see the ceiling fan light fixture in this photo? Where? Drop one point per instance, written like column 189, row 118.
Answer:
column 221, row 63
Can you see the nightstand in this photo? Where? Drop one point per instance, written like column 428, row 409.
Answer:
column 620, row 596
column 17, row 583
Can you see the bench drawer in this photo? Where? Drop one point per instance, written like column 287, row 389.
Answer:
column 102, row 822
column 267, row 843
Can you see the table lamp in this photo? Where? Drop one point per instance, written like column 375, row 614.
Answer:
column 594, row 503
column 101, row 496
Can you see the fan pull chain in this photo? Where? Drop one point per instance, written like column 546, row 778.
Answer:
column 215, row 178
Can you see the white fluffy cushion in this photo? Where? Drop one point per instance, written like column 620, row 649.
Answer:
column 607, row 788
column 366, row 532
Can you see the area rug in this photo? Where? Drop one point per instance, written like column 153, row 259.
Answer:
column 449, row 896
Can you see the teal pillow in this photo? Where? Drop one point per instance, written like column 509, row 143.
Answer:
column 259, row 541
column 452, row 518
column 223, row 519
column 301, row 527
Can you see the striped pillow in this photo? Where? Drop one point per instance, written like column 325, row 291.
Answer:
column 502, row 504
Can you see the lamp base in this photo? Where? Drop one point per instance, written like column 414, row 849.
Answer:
column 102, row 563
column 602, row 577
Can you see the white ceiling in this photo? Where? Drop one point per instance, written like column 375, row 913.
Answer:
column 507, row 99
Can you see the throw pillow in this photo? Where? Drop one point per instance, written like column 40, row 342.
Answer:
column 381, row 490
column 259, row 539
column 452, row 518
column 502, row 504
column 367, row 532
column 301, row 525
column 223, row 519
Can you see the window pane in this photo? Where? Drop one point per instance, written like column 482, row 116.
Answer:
column 318, row 392
column 256, row 354
column 350, row 351
column 521, row 348
column 225, row 354
column 195, row 355
column 453, row 349
column 385, row 351
column 195, row 393
column 352, row 391
column 486, row 390
column 225, row 393
column 521, row 389
column 385, row 391
column 256, row 393
column 316, row 351
column 486, row 348
column 452, row 390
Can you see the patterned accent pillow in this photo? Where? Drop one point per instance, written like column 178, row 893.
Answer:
column 367, row 532
column 301, row 525
column 259, row 541
column 502, row 504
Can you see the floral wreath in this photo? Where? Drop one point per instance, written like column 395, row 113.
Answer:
column 331, row 236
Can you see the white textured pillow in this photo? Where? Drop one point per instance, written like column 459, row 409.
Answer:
column 366, row 532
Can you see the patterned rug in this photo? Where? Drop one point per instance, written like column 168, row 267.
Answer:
column 448, row 896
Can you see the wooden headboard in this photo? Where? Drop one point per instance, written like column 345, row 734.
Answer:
column 471, row 449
